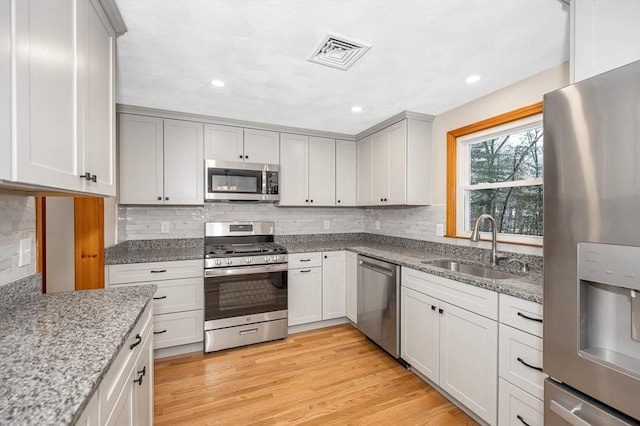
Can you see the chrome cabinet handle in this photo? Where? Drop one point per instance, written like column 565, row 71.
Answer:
column 521, row 361
column 139, row 340
column 520, row 314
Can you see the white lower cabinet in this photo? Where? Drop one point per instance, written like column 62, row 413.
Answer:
column 352, row 287
column 455, row 348
column 334, row 269
column 305, row 295
column 91, row 414
column 518, row 408
column 178, row 301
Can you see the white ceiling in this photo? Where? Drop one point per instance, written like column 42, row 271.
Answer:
column 422, row 52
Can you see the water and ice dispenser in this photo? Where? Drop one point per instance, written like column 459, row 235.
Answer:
column 609, row 301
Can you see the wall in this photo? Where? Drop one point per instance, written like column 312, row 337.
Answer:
column 60, row 248
column 420, row 222
column 17, row 221
column 139, row 223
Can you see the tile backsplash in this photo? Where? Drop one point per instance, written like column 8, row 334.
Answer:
column 17, row 221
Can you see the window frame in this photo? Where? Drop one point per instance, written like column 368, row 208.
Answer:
column 463, row 135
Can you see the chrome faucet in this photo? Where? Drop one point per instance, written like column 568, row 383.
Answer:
column 475, row 236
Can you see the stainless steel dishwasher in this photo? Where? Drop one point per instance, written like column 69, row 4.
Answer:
column 379, row 303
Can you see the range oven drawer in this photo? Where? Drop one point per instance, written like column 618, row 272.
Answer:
column 230, row 337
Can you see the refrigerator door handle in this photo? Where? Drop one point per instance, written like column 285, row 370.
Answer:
column 568, row 414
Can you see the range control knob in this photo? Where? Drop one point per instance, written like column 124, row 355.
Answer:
column 218, row 262
column 267, row 258
column 228, row 261
column 276, row 258
column 248, row 260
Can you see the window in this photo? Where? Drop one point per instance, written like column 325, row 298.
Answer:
column 495, row 167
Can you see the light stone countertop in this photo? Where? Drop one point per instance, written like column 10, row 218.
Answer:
column 56, row 348
column 528, row 287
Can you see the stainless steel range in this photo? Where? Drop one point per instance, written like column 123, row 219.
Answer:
column 245, row 285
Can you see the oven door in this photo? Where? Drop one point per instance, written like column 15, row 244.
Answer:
column 244, row 295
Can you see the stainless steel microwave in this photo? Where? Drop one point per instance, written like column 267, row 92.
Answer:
column 238, row 181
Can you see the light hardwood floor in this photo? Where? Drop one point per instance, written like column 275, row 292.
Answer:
column 331, row 376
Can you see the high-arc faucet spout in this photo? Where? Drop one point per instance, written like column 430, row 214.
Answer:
column 475, row 236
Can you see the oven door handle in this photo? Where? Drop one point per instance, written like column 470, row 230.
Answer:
column 246, row 270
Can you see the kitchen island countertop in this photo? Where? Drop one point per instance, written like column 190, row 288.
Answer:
column 56, row 348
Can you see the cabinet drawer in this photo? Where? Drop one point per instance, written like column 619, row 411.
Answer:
column 475, row 299
column 178, row 329
column 520, row 355
column 517, row 408
column 305, row 260
column 116, row 377
column 176, row 295
column 521, row 314
column 155, row 271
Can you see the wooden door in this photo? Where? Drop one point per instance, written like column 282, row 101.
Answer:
column 89, row 242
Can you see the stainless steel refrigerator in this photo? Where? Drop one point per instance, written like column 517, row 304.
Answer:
column 592, row 250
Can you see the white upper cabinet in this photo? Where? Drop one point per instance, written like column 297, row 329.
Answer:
column 63, row 108
column 307, row 171
column 261, row 146
column 161, row 161
column 345, row 173
column 5, row 89
column 393, row 165
column 605, row 35
column 227, row 143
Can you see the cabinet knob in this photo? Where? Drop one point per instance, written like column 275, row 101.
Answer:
column 306, row 201
column 381, row 199
column 246, row 156
column 94, row 178
column 166, row 198
column 385, row 199
column 441, row 311
column 241, row 157
column 338, row 200
column 159, row 198
column 312, row 201
column 433, row 308
column 325, row 256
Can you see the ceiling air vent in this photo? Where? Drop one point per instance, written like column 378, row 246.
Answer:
column 338, row 52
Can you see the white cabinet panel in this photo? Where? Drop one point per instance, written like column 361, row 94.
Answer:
column 261, row 146
column 183, row 162
column 223, row 143
column 522, row 314
column 333, row 284
column 178, row 328
column 397, row 163
column 468, row 354
column 521, row 360
column 352, row 287
column 91, row 414
column 154, row 271
column 294, row 170
column 364, row 194
column 322, row 171
column 141, row 159
column 380, row 167
column 518, row 408
column 5, row 89
column 345, row 173
column 606, row 35
column 304, row 260
column 143, row 385
column 420, row 338
column 305, row 295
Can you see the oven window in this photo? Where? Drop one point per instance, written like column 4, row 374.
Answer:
column 242, row 181
column 233, row 296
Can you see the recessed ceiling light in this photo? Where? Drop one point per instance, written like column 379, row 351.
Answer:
column 356, row 109
column 217, row 83
column 472, row 79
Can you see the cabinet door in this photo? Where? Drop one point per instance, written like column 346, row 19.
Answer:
column 183, row 162
column 99, row 101
column 305, row 295
column 5, row 90
column 469, row 360
column 333, row 284
column 122, row 413
column 294, row 170
column 606, row 35
column 420, row 333
column 345, row 173
column 143, row 388
column 397, row 163
column 261, row 146
column 380, row 167
column 322, row 171
column 47, row 146
column 141, row 159
column 91, row 414
column 363, row 154
column 352, row 287
column 518, row 408
column 223, row 143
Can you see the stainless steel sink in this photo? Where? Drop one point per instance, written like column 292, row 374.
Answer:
column 465, row 268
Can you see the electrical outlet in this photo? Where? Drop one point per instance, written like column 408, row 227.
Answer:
column 326, row 224
column 164, row 227
column 377, row 224
column 439, row 230
column 24, row 253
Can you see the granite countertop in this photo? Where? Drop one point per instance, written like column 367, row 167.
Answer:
column 143, row 251
column 528, row 287
column 56, row 348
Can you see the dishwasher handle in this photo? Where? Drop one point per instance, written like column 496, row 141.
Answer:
column 389, row 271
